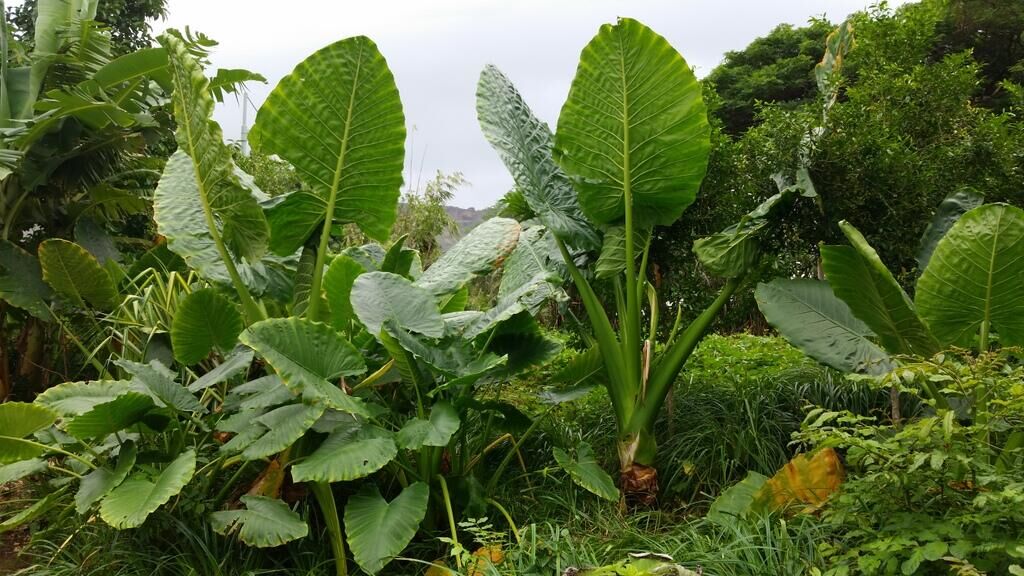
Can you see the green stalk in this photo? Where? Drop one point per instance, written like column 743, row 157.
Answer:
column 620, row 389
column 451, row 518
column 630, row 324
column 664, row 375
column 325, row 498
column 493, row 482
column 253, row 313
column 332, row 198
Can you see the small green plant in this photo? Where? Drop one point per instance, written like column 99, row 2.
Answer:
column 942, row 493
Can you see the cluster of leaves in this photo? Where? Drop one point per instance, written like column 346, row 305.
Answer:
column 918, row 117
column 941, row 493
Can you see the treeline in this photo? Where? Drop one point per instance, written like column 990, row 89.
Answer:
column 929, row 103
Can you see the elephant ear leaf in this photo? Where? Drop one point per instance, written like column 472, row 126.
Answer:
column 264, row 523
column 859, row 278
column 18, row 420
column 204, row 320
column 337, row 118
column 128, row 505
column 98, row 483
column 946, row 215
column 973, row 281
column 586, row 472
column 242, row 226
column 378, row 297
column 379, row 530
column 303, row 352
column 810, row 317
column 481, row 251
column 634, row 128
column 21, row 281
column 524, row 144
column 75, row 274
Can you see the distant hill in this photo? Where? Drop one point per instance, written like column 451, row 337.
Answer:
column 467, row 219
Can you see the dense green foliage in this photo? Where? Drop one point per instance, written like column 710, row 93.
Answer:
column 291, row 362
column 917, row 119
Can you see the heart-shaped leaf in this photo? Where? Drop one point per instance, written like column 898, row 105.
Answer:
column 634, row 128
column 264, row 523
column 126, row 410
column 379, row 530
column 204, row 320
column 437, row 431
column 338, row 120
column 303, row 352
column 19, row 420
column 350, row 452
column 98, row 483
column 481, row 251
column 128, row 505
column 378, row 297
column 585, row 471
column 75, row 274
column 975, row 278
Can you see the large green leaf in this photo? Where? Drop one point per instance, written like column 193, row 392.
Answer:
column 378, row 297
column 17, row 421
column 74, row 398
column 237, row 362
column 283, row 426
column 98, row 483
column 229, row 208
column 303, row 352
column 22, row 468
column 634, row 128
column 585, row 471
column 338, row 281
column 126, row 410
column 349, row 453
column 203, row 321
column 128, row 505
column 479, row 252
column 21, row 281
column 437, row 431
column 810, row 317
column 524, row 144
column 976, row 278
column 733, row 251
column 338, row 120
column 379, row 530
column 612, row 259
column 264, row 523
column 75, row 274
column 178, row 210
column 946, row 215
column 162, row 385
column 859, row 278
column 735, row 502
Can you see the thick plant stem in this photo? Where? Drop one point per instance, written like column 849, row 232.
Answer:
column 253, row 313
column 325, row 498
column 673, row 360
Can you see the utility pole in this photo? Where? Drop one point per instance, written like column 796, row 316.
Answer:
column 245, row 122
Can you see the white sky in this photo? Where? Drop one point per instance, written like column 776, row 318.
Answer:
column 436, row 49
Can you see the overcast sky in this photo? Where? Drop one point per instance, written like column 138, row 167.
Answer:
column 436, row 49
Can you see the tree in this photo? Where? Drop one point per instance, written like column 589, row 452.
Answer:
column 129, row 21
column 423, row 217
column 777, row 68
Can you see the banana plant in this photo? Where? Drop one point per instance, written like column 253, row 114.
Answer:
column 859, row 319
column 629, row 154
